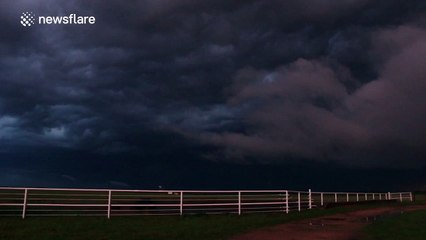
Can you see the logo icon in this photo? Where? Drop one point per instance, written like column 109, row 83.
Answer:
column 27, row 19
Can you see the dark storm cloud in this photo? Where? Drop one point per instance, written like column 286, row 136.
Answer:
column 319, row 80
column 305, row 110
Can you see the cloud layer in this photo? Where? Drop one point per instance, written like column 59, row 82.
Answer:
column 307, row 108
column 272, row 81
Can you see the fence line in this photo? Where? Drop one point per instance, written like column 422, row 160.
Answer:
column 116, row 202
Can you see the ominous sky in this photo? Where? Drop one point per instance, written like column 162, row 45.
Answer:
column 215, row 94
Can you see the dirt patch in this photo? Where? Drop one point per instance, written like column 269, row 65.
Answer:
column 342, row 226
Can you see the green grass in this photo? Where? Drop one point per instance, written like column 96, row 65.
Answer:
column 408, row 226
column 150, row 227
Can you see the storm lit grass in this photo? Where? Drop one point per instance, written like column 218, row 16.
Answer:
column 151, row 227
column 408, row 226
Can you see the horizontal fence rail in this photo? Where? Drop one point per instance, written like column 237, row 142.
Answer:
column 117, row 202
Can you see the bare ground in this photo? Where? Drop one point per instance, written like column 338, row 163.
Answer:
column 342, row 226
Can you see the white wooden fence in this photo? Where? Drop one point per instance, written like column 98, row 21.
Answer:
column 117, row 202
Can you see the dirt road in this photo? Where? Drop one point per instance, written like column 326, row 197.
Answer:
column 342, row 226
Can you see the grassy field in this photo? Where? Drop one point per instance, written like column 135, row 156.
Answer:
column 150, row 227
column 409, row 226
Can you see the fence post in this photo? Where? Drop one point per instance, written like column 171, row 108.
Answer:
column 347, row 197
column 335, row 197
column 373, row 196
column 411, row 196
column 389, row 196
column 286, row 202
column 357, row 197
column 380, row 196
column 298, row 201
column 24, row 205
column 239, row 203
column 322, row 199
column 109, row 203
column 400, row 197
column 365, row 196
column 310, row 199
column 181, row 204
